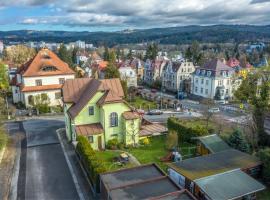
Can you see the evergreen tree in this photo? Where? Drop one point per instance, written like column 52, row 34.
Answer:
column 111, row 71
column 129, row 56
column 106, row 55
column 151, row 51
column 74, row 55
column 237, row 141
column 65, row 55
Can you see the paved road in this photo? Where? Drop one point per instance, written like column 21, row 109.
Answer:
column 44, row 173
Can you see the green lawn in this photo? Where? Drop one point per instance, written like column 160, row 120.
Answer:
column 156, row 150
column 264, row 195
column 107, row 157
column 141, row 103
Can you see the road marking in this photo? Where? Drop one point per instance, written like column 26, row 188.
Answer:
column 75, row 180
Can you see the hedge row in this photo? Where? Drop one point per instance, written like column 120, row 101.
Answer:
column 93, row 165
column 185, row 133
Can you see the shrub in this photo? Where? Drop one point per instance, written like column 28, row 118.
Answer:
column 185, row 132
column 146, row 141
column 112, row 144
column 56, row 109
column 43, row 108
column 264, row 155
column 93, row 165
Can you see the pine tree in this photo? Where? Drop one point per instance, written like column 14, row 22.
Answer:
column 65, row 55
column 237, row 141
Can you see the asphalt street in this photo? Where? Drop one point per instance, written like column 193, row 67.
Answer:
column 44, row 173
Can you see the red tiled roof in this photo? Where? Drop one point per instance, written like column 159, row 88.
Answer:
column 44, row 58
column 41, row 88
column 89, row 129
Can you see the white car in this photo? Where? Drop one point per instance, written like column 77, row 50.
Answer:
column 214, row 110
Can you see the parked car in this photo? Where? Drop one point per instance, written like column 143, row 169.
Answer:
column 140, row 111
column 155, row 112
column 214, row 110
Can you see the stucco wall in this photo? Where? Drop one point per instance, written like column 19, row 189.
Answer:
column 131, row 130
column 46, row 80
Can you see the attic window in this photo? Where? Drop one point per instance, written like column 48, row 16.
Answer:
column 48, row 68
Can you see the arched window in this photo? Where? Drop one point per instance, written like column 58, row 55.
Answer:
column 114, row 119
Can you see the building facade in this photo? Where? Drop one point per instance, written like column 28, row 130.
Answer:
column 175, row 74
column 129, row 75
column 43, row 74
column 213, row 80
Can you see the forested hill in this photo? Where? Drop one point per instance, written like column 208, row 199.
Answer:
column 172, row 35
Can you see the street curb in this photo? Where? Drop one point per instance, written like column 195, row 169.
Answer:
column 75, row 180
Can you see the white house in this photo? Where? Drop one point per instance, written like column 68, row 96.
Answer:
column 175, row 73
column 128, row 74
column 45, row 73
column 214, row 78
column 80, row 44
column 81, row 57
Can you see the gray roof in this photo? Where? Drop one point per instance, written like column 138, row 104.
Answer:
column 229, row 185
column 145, row 190
column 130, row 176
column 216, row 163
column 214, row 143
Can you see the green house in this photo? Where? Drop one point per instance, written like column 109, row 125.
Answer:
column 96, row 109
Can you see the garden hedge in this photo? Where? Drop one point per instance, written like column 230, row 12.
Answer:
column 185, row 133
column 93, row 165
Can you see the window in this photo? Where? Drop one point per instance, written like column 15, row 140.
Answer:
column 209, row 73
column 114, row 119
column 196, row 89
column 203, row 72
column 197, row 71
column 201, row 90
column 58, row 95
column 202, row 81
column 61, row 80
column 197, row 80
column 38, row 82
column 91, row 110
column 207, row 82
column 49, row 68
column 91, row 139
column 206, row 91
column 227, row 91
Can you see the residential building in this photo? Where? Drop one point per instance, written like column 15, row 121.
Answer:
column 131, row 183
column 128, row 74
column 174, row 75
column 96, row 109
column 80, row 44
column 153, row 70
column 213, row 79
column 81, row 57
column 138, row 65
column 221, row 171
column 43, row 74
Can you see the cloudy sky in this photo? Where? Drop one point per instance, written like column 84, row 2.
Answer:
column 112, row 15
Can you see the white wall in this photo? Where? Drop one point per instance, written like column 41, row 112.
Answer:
column 46, row 80
column 50, row 93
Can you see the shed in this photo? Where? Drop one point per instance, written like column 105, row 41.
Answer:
column 142, row 182
column 211, row 144
column 233, row 184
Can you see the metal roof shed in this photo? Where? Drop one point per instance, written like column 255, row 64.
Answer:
column 213, row 143
column 229, row 185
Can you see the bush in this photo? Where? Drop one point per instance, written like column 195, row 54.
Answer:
column 43, row 108
column 56, row 109
column 185, row 132
column 113, row 143
column 264, row 155
column 92, row 163
column 146, row 141
column 172, row 140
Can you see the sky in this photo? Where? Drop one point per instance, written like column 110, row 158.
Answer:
column 114, row 15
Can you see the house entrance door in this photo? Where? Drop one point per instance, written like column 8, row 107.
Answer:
column 99, row 142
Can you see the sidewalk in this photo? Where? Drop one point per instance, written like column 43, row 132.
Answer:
column 82, row 185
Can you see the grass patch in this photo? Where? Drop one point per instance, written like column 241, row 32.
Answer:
column 3, row 138
column 107, row 158
column 156, row 150
column 264, row 195
column 141, row 103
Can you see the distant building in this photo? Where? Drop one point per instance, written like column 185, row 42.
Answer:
column 175, row 73
column 43, row 74
column 153, row 70
column 212, row 79
column 129, row 75
column 257, row 46
column 81, row 57
column 1, row 47
column 80, row 44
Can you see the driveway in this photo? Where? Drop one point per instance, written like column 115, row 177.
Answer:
column 44, row 173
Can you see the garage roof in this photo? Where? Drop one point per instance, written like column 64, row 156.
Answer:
column 229, row 185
